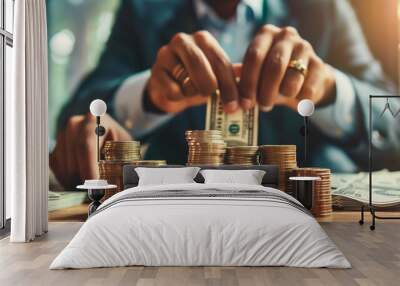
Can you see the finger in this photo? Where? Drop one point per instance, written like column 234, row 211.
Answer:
column 314, row 81
column 252, row 65
column 166, row 101
column 274, row 68
column 222, row 68
column 86, row 150
column 171, row 98
column 170, row 89
column 188, row 88
column 195, row 62
column 167, row 62
column 237, row 70
column 196, row 100
column 290, row 102
column 293, row 80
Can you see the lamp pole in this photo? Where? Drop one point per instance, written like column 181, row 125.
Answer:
column 305, row 139
column 98, row 108
column 98, row 137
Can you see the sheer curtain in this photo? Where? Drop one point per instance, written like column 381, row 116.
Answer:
column 26, row 123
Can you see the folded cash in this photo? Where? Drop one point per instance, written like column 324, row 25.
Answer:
column 238, row 129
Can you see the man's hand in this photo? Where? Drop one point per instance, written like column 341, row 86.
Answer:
column 74, row 158
column 266, row 77
column 207, row 66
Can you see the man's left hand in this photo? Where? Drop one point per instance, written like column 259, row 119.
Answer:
column 267, row 78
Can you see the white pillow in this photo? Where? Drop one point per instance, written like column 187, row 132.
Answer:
column 248, row 177
column 166, row 176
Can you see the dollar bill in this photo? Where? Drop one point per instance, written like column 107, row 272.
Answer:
column 348, row 187
column 238, row 129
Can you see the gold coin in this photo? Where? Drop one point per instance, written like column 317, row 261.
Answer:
column 121, row 150
column 205, row 147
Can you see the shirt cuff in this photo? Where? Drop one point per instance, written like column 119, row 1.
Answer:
column 338, row 120
column 128, row 104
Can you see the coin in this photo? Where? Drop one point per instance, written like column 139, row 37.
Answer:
column 117, row 154
column 242, row 155
column 284, row 156
column 205, row 147
column 121, row 150
column 322, row 189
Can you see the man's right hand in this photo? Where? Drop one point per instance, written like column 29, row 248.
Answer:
column 74, row 158
column 205, row 63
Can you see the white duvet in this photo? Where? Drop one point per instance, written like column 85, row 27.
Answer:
column 204, row 231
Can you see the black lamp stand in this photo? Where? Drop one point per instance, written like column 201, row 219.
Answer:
column 100, row 131
column 304, row 131
column 305, row 139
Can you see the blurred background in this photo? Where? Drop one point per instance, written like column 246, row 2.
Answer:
column 78, row 30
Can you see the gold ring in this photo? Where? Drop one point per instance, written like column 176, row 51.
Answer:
column 217, row 92
column 182, row 77
column 179, row 73
column 186, row 81
column 188, row 87
column 299, row 65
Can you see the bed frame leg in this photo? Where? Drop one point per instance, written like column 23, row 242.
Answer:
column 361, row 221
column 372, row 227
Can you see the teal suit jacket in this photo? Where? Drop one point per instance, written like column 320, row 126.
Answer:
column 142, row 27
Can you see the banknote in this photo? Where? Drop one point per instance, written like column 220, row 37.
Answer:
column 385, row 188
column 238, row 129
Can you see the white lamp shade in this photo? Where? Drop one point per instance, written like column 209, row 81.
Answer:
column 98, row 107
column 305, row 107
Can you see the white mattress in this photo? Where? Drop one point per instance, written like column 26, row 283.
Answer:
column 202, row 231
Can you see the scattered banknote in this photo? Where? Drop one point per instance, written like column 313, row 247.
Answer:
column 385, row 190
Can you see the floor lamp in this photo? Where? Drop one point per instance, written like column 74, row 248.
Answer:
column 98, row 108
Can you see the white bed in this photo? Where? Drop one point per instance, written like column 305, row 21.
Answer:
column 247, row 226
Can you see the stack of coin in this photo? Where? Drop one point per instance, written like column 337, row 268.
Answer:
column 282, row 155
column 112, row 171
column 206, row 147
column 121, row 151
column 322, row 205
column 149, row 163
column 241, row 155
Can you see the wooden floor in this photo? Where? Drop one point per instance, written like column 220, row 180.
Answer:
column 375, row 257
